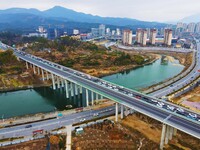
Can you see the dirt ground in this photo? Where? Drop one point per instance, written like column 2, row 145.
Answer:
column 135, row 132
column 31, row 145
column 190, row 99
column 108, row 135
column 151, row 129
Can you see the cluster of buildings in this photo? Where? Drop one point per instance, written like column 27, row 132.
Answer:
column 191, row 27
column 144, row 36
column 102, row 31
column 50, row 32
column 168, row 36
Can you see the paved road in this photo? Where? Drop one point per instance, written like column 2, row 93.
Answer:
column 49, row 125
column 193, row 75
column 155, row 49
column 181, row 122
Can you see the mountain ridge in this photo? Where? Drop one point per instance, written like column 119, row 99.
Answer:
column 61, row 14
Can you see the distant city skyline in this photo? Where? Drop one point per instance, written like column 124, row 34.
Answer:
column 157, row 10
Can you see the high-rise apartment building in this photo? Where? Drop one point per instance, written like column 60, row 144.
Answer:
column 179, row 25
column 108, row 31
column 95, row 32
column 102, row 30
column 152, row 38
column 113, row 32
column 191, row 27
column 197, row 30
column 148, row 32
column 127, row 37
column 144, row 37
column 168, row 37
column 75, row 31
column 141, row 36
column 118, row 32
column 138, row 35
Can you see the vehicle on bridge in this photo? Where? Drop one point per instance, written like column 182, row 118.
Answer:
column 38, row 132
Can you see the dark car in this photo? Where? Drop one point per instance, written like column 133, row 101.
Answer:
column 28, row 126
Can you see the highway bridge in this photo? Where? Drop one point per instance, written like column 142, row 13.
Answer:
column 172, row 116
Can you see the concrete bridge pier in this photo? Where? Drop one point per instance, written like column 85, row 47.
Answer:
column 43, row 75
column 122, row 111
column 27, row 65
column 53, row 81
column 87, row 97
column 116, row 112
column 80, row 89
column 66, row 89
column 38, row 70
column 76, row 89
column 62, row 82
column 92, row 97
column 71, row 89
column 47, row 74
column 166, row 135
column 34, row 71
column 58, row 82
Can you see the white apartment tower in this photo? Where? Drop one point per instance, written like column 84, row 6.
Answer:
column 127, row 37
column 138, row 35
column 152, row 39
column 168, row 37
column 141, row 36
column 144, row 37
column 197, row 30
column 191, row 27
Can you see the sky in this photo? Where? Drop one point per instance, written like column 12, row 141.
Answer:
column 146, row 10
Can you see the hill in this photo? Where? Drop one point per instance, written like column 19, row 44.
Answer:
column 193, row 18
column 20, row 18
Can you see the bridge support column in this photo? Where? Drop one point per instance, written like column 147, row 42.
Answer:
column 69, row 137
column 174, row 131
column 170, row 132
column 116, row 112
column 101, row 96
column 62, row 82
column 47, row 74
column 122, row 111
column 87, row 98
column 42, row 74
column 34, row 71
column 66, row 88
column 76, row 89
column 38, row 70
column 80, row 89
column 162, row 136
column 71, row 89
column 92, row 95
column 167, row 135
column 53, row 81
column 97, row 96
column 27, row 65
column 58, row 82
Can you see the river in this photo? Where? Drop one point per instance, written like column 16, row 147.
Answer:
column 45, row 99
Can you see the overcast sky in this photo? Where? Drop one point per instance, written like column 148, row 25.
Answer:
column 147, row 10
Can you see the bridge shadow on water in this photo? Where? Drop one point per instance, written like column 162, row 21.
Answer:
column 57, row 98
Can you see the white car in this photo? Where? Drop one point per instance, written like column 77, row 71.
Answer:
column 170, row 107
column 81, row 120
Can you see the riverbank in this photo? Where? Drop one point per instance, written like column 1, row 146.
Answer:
column 184, row 59
column 31, row 118
column 102, row 73
column 21, row 81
